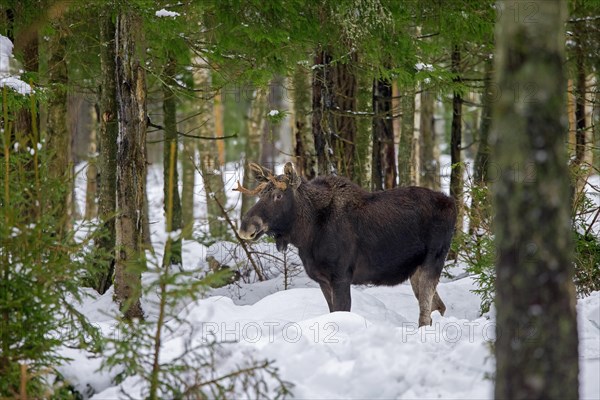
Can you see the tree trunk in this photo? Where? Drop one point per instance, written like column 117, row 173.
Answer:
column 304, row 148
column 209, row 124
column 363, row 140
column 596, row 123
column 146, row 234
column 91, row 174
column 580, row 123
column 188, row 180
column 28, row 45
column 406, row 173
column 343, row 139
column 322, row 92
column 456, row 181
column 256, row 121
column 23, row 131
column 59, row 138
column 536, row 346
column 107, row 161
column 172, row 201
column 430, row 168
column 482, row 159
column 383, row 168
column 271, row 134
column 479, row 203
column 131, row 166
column 580, row 109
column 219, row 127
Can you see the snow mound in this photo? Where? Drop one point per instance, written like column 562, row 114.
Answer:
column 6, row 77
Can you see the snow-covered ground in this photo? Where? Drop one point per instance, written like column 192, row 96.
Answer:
column 375, row 351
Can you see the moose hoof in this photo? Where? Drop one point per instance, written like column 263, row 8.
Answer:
column 424, row 321
column 442, row 309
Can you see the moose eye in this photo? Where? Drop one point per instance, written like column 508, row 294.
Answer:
column 277, row 196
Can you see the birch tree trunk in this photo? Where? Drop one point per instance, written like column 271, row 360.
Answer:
column 430, row 167
column 91, row 190
column 131, row 166
column 256, row 121
column 212, row 154
column 537, row 345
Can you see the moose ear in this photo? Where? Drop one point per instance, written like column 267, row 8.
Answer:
column 290, row 173
column 261, row 174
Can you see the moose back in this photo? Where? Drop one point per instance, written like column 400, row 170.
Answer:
column 345, row 234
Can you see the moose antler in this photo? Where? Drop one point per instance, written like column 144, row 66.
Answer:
column 262, row 174
column 250, row 192
column 278, row 184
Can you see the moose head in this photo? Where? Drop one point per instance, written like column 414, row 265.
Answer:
column 275, row 210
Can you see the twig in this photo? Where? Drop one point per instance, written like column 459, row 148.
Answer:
column 248, row 252
column 150, row 123
column 243, row 371
column 589, row 228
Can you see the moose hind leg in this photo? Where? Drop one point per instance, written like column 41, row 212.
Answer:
column 414, row 282
column 438, row 304
column 426, row 290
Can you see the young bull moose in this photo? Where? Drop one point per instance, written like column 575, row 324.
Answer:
column 347, row 235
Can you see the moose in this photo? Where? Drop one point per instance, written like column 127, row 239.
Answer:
column 346, row 235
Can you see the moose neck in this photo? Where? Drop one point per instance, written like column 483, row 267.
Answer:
column 310, row 199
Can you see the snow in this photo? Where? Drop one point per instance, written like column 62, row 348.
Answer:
column 6, row 77
column 165, row 13
column 6, row 47
column 16, row 84
column 423, row 67
column 273, row 113
column 375, row 351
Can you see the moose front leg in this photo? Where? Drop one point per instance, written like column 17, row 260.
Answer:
column 341, row 295
column 327, row 292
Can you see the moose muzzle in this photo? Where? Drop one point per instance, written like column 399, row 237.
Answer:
column 252, row 228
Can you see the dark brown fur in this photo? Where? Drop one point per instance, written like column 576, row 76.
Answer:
column 347, row 235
